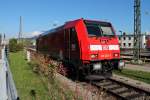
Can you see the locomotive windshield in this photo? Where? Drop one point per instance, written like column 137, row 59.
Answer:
column 99, row 29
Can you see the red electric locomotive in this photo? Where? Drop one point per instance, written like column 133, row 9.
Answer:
column 90, row 46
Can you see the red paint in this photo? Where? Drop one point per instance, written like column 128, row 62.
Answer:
column 54, row 42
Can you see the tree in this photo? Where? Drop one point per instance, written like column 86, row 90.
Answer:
column 14, row 46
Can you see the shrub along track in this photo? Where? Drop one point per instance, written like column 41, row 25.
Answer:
column 80, row 89
column 116, row 88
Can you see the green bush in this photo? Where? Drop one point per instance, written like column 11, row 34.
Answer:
column 15, row 46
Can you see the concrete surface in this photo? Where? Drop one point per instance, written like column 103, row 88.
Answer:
column 145, row 67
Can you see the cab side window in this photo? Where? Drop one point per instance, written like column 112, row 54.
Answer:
column 73, row 39
column 73, row 34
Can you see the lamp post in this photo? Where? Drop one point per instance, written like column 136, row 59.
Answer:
column 120, row 38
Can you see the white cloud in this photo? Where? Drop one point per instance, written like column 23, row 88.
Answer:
column 35, row 33
column 31, row 34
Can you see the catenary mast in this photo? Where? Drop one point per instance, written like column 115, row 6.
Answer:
column 137, row 29
column 20, row 30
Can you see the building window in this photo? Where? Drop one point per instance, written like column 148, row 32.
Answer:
column 124, row 38
column 119, row 38
column 124, row 44
column 129, row 44
column 120, row 44
column 124, row 33
column 129, row 38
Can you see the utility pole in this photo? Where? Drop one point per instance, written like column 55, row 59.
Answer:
column 121, row 39
column 137, row 29
column 20, row 30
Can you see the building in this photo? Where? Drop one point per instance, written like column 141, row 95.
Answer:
column 126, row 41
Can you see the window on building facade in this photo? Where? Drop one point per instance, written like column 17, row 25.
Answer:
column 119, row 38
column 124, row 44
column 124, row 38
column 129, row 37
column 129, row 44
column 120, row 44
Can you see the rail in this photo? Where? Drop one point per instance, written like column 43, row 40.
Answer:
column 122, row 90
column 7, row 85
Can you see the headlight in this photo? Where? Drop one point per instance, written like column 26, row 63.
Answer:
column 93, row 56
column 116, row 54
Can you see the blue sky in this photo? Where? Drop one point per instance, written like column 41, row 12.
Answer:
column 40, row 15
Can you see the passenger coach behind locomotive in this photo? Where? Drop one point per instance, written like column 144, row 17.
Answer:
column 90, row 46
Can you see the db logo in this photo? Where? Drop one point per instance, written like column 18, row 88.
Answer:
column 105, row 47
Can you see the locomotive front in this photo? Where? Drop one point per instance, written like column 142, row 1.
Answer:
column 102, row 48
column 90, row 47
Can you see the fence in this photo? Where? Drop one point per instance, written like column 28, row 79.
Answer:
column 7, row 86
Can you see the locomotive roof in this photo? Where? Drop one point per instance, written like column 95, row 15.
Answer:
column 69, row 24
column 52, row 30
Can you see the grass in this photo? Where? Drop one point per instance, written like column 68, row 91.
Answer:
column 25, row 79
column 28, row 83
column 137, row 75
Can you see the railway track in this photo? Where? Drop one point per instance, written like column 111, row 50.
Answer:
column 121, row 90
column 128, row 55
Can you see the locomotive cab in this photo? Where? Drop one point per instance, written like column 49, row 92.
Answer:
column 103, row 52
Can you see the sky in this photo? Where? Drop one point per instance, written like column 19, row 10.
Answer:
column 41, row 15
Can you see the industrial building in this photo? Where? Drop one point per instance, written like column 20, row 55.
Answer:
column 126, row 41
